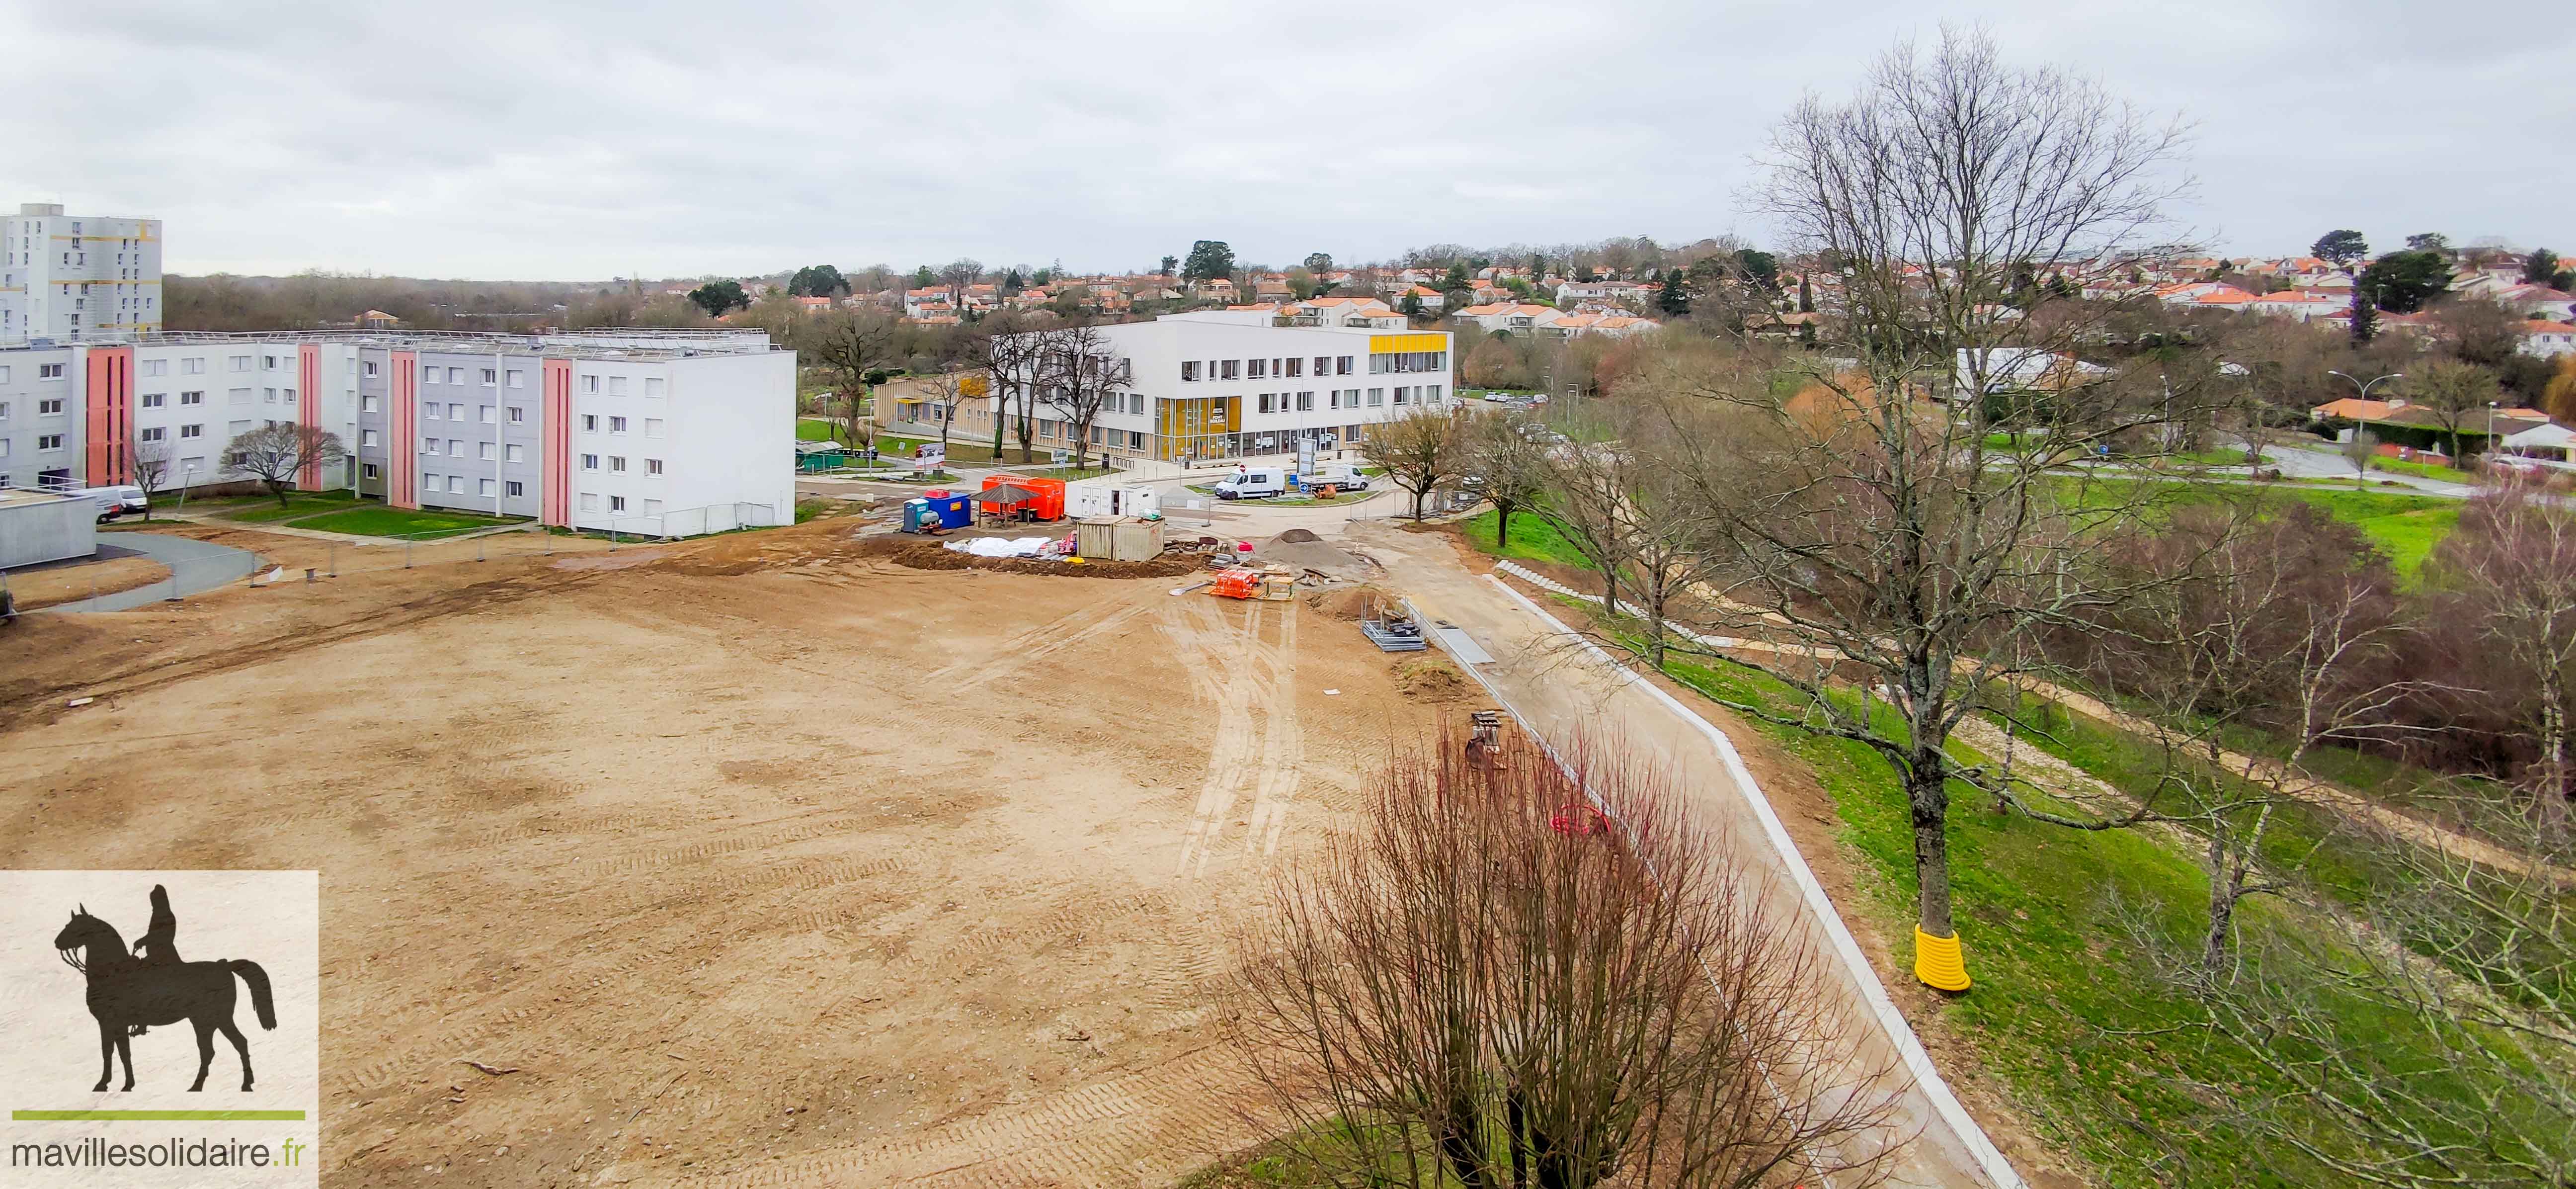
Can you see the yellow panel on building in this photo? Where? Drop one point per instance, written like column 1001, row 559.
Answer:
column 1390, row 344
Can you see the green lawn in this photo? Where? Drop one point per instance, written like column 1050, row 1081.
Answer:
column 302, row 503
column 816, row 429
column 2042, row 910
column 1533, row 539
column 374, row 521
column 2405, row 527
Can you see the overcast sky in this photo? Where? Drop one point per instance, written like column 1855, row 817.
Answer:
column 550, row 141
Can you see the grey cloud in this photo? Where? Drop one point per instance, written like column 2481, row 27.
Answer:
column 552, row 140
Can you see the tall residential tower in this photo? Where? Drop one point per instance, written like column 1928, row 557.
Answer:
column 68, row 277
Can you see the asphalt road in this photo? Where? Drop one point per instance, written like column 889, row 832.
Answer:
column 194, row 566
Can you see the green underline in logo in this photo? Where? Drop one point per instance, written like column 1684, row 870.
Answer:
column 156, row 1116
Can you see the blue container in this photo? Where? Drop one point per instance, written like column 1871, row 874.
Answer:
column 954, row 511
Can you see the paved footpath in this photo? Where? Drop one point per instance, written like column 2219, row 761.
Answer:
column 194, row 566
column 1561, row 688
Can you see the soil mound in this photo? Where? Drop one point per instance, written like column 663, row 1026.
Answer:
column 933, row 557
column 1426, row 679
column 1352, row 603
column 1296, row 536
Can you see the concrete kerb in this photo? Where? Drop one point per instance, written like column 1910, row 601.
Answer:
column 1846, row 948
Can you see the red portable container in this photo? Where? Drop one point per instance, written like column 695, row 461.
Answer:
column 1049, row 504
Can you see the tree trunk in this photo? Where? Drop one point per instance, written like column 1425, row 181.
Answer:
column 2222, row 900
column 1001, row 403
column 1502, row 527
column 2553, row 728
column 1927, row 796
column 1609, row 591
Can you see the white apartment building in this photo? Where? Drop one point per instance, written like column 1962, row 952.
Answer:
column 1217, row 384
column 66, row 277
column 638, row 430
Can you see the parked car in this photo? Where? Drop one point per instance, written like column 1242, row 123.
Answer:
column 1339, row 474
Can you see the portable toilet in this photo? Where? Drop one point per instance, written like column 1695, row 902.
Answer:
column 945, row 511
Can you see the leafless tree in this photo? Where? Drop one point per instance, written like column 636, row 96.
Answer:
column 850, row 344
column 2510, row 568
column 1495, row 983
column 1867, row 525
column 1080, row 375
column 148, row 463
column 1508, row 464
column 2358, row 449
column 1420, row 450
column 277, row 453
column 2455, row 395
column 1005, row 344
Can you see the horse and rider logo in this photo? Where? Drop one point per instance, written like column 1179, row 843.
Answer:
column 133, row 990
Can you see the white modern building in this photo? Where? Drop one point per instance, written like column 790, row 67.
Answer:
column 648, row 431
column 66, row 277
column 1219, row 384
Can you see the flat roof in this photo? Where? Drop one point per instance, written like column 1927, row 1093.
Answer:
column 606, row 343
column 12, row 496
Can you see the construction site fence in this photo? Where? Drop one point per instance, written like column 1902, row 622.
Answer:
column 692, row 522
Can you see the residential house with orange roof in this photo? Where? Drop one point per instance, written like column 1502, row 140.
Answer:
column 2547, row 340
column 1510, row 317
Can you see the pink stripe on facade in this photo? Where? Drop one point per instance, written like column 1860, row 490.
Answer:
column 402, row 442
column 308, row 407
column 554, row 450
column 109, row 401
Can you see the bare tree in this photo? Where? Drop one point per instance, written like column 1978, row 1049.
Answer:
column 2358, row 449
column 1420, row 450
column 1006, row 345
column 277, row 453
column 1080, row 375
column 1508, row 465
column 851, row 345
column 1867, row 526
column 2454, row 394
column 1495, row 983
column 148, row 463
column 2510, row 568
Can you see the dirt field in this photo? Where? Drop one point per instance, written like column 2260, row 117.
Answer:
column 764, row 860
column 64, row 584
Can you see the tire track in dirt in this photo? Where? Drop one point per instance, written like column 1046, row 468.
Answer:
column 1144, row 1125
column 1038, row 643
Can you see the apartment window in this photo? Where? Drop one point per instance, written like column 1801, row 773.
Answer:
column 484, row 488
column 617, row 386
column 518, row 379
column 455, row 485
column 368, row 368
column 515, row 488
column 1226, row 369
column 1136, row 403
column 192, row 431
column 589, row 501
column 456, row 447
column 590, row 423
column 1257, row 369
column 1189, row 369
column 455, row 412
column 652, row 427
column 652, row 466
column 484, row 449
column 289, row 394
column 268, row 395
column 155, row 434
column 429, row 410
column 1261, row 403
column 49, row 371
column 456, row 375
column 1296, row 367
column 51, row 441
column 366, row 404
column 490, row 380
column 192, row 398
column 367, row 437
column 238, row 363
column 1135, row 439
column 156, row 367
column 1305, row 402
column 617, row 425
column 590, row 462
column 652, row 507
column 1431, row 393
column 517, row 415
column 1377, row 396
column 1342, row 366
column 367, row 470
column 515, row 453
column 154, row 400
column 4, row 405
column 590, row 383
column 617, row 464
column 196, row 366
column 50, row 407
column 429, row 445
column 4, row 375
column 617, row 503
column 654, row 385
column 268, row 363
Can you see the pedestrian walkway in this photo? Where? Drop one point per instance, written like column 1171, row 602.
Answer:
column 194, row 566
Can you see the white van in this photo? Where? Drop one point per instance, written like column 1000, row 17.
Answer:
column 1341, row 475
column 115, row 501
column 1253, row 483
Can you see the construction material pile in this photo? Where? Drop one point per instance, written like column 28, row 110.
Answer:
column 1298, row 550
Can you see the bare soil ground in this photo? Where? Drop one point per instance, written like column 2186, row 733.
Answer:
column 763, row 860
column 64, row 584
